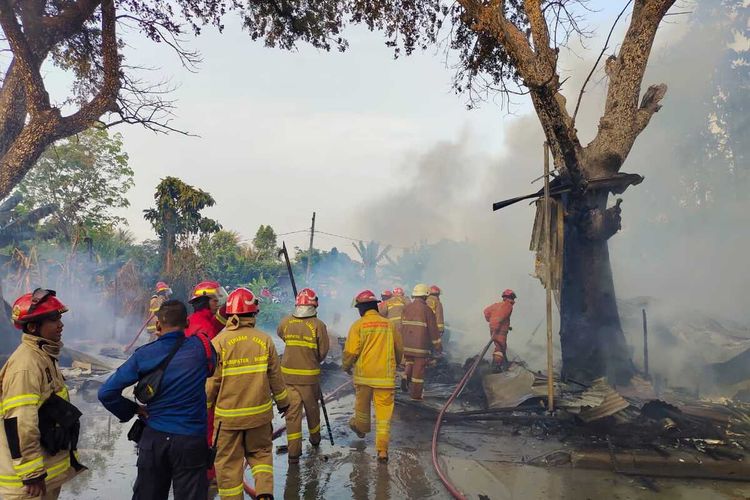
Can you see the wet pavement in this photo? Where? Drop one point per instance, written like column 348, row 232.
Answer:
column 483, row 459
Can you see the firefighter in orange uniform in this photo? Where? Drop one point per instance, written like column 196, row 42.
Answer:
column 373, row 349
column 395, row 306
column 382, row 307
column 33, row 393
column 498, row 316
column 162, row 292
column 306, row 339
column 421, row 338
column 247, row 375
column 437, row 307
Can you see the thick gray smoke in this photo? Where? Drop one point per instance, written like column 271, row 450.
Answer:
column 690, row 259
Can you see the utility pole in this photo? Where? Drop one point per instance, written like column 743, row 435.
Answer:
column 548, row 279
column 645, row 344
column 310, row 252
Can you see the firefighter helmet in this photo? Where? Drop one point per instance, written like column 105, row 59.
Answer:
column 306, row 297
column 435, row 290
column 242, row 301
column 36, row 306
column 205, row 289
column 398, row 291
column 364, row 297
column 162, row 287
column 386, row 294
column 508, row 293
column 420, row 290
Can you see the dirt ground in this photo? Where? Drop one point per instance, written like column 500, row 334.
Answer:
column 483, row 460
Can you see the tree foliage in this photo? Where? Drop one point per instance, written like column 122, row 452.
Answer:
column 85, row 177
column 265, row 243
column 371, row 254
column 177, row 216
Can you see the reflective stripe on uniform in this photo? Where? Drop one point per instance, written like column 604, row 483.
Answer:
column 241, row 370
column 416, row 351
column 293, row 436
column 395, row 318
column 53, row 471
column 20, row 400
column 300, row 371
column 362, row 417
column 436, row 342
column 382, row 427
column 375, row 382
column 29, row 466
column 231, row 492
column 63, row 393
column 417, row 380
column 244, row 412
column 407, row 322
column 302, row 343
column 441, row 325
column 280, row 395
column 262, row 469
column 315, row 429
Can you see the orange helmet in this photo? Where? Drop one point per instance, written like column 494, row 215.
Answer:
column 306, row 297
column 435, row 290
column 242, row 301
column 36, row 306
column 386, row 294
column 398, row 292
column 364, row 297
column 205, row 289
column 508, row 293
column 162, row 287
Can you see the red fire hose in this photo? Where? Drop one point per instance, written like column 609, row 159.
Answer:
column 460, row 387
column 278, row 432
column 130, row 345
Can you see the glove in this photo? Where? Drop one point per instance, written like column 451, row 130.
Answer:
column 282, row 411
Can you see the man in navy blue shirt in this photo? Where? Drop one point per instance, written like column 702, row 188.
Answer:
column 173, row 449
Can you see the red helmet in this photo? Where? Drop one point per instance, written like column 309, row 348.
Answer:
column 242, row 301
column 162, row 287
column 36, row 306
column 306, row 297
column 386, row 294
column 205, row 289
column 435, row 290
column 364, row 297
column 398, row 292
column 509, row 293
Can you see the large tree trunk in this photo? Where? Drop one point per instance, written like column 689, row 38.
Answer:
column 593, row 344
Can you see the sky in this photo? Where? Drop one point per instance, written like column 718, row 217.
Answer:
column 283, row 134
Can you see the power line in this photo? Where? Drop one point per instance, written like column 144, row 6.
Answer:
column 307, row 230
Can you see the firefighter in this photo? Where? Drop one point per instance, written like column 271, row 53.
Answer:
column 421, row 338
column 33, row 390
column 205, row 301
column 247, row 375
column 395, row 306
column 373, row 349
column 437, row 307
column 382, row 307
column 306, row 339
column 162, row 292
column 498, row 316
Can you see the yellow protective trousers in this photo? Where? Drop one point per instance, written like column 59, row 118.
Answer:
column 383, row 401
column 236, row 446
column 302, row 396
column 52, row 494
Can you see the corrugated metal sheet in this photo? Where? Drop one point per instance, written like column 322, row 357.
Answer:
column 598, row 401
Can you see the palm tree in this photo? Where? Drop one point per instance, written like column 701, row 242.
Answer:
column 371, row 255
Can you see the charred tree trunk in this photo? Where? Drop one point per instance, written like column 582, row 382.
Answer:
column 592, row 340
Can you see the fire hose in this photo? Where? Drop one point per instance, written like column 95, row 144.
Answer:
column 132, row 343
column 455, row 493
column 278, row 432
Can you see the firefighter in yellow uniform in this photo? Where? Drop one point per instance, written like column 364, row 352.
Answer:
column 437, row 307
column 373, row 349
column 162, row 292
column 247, row 374
column 394, row 306
column 306, row 339
column 33, row 466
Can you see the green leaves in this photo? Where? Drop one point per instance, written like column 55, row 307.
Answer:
column 85, row 177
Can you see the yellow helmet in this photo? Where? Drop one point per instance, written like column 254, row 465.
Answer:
column 421, row 290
